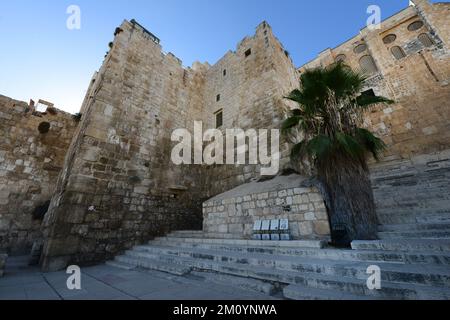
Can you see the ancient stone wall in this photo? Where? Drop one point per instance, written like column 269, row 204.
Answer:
column 248, row 85
column 119, row 186
column 32, row 149
column 417, row 79
column 236, row 211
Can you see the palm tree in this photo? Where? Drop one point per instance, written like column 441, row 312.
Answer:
column 329, row 118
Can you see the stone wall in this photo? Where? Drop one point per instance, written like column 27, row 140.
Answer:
column 30, row 162
column 418, row 123
column 236, row 211
column 119, row 187
column 251, row 82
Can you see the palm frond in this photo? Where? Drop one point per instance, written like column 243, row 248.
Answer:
column 372, row 143
column 290, row 123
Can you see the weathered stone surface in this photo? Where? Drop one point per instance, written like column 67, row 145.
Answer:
column 29, row 166
column 118, row 186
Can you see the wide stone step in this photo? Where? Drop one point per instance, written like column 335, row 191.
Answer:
column 405, row 245
column 295, row 243
column 319, row 280
column 414, row 226
column 428, row 234
column 299, row 292
column 332, row 254
column 202, row 235
column 154, row 264
column 412, row 218
column 120, row 265
column 426, row 275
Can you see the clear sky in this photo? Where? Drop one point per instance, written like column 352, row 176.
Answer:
column 41, row 58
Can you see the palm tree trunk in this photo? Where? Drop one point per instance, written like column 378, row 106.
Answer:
column 349, row 199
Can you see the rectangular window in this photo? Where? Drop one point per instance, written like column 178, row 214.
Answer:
column 248, row 52
column 219, row 118
column 218, row 98
column 224, row 72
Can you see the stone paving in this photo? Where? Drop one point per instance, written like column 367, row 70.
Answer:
column 104, row 282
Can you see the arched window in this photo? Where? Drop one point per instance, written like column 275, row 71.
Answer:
column 341, row 57
column 416, row 25
column 389, row 38
column 425, row 40
column 398, row 52
column 360, row 48
column 367, row 65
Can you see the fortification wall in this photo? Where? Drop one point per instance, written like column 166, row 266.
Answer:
column 251, row 82
column 119, row 187
column 30, row 162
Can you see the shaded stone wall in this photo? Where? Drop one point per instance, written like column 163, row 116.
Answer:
column 30, row 162
column 236, row 211
column 119, row 187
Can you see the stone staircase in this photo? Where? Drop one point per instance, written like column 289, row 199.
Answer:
column 413, row 197
column 417, row 269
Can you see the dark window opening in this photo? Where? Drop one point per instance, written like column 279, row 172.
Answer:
column 224, row 72
column 368, row 93
column 248, row 52
column 44, row 127
column 219, row 118
column 416, row 25
column 218, row 98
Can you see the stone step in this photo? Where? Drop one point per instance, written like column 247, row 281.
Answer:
column 154, row 264
column 428, row 234
column 332, row 254
column 237, row 281
column 352, row 285
column 426, row 275
column 318, row 244
column 414, row 226
column 412, row 217
column 405, row 245
column 299, row 292
column 120, row 265
column 204, row 235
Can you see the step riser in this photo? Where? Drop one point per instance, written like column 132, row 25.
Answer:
column 411, row 218
column 146, row 264
column 401, row 247
column 414, row 235
column 417, row 227
column 351, row 255
column 308, row 244
column 333, row 270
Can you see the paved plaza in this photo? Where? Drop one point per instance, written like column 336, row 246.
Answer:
column 104, row 282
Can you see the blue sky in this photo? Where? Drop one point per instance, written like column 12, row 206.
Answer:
column 41, row 58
